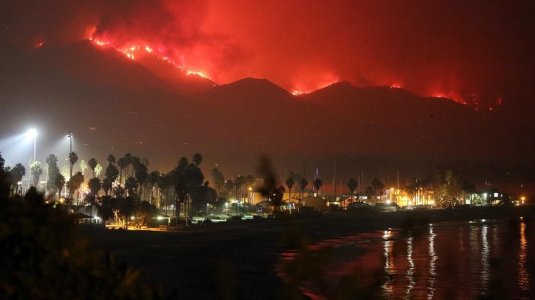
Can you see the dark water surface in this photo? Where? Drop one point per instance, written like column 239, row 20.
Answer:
column 480, row 259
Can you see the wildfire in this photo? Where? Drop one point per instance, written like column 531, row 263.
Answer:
column 303, row 85
column 197, row 73
column 134, row 51
column 303, row 89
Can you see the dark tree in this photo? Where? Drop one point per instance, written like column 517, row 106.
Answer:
column 317, row 184
column 378, row 187
column 165, row 183
column 75, row 182
column 94, row 186
column 111, row 159
column 92, row 163
column 73, row 158
column 276, row 198
column 107, row 184
column 60, row 183
column 152, row 180
column 229, row 187
column 145, row 212
column 194, row 180
column 218, row 179
column 352, row 186
column 36, row 169
column 123, row 164
column 290, row 183
column 126, row 206
column 141, row 172
column 302, row 185
column 197, row 159
column 370, row 193
column 131, row 186
column 111, row 173
column 53, row 172
column 16, row 176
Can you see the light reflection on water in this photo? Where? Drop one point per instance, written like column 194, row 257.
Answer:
column 455, row 260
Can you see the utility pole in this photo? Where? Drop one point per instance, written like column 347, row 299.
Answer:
column 69, row 135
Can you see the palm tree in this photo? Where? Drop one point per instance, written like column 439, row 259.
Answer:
column 352, row 185
column 317, row 184
column 131, row 186
column 378, row 187
column 141, row 174
column 98, row 170
column 83, row 166
column 92, row 164
column 180, row 183
column 276, row 198
column 94, row 186
column 16, row 176
column 111, row 159
column 152, row 180
column 164, row 183
column 128, row 159
column 302, row 185
column 194, row 179
column 75, row 182
column 73, row 158
column 218, row 178
column 36, row 169
column 60, row 183
column 197, row 159
column 229, row 186
column 290, row 183
column 53, row 172
column 111, row 173
column 239, row 182
column 123, row 164
column 107, row 184
column 134, row 162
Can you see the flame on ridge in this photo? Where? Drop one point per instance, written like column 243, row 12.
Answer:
column 133, row 51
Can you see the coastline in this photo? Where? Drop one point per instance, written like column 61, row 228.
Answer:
column 238, row 261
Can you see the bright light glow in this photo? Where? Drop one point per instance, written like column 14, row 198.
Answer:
column 196, row 73
column 32, row 133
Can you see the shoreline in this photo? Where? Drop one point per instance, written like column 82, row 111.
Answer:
column 239, row 260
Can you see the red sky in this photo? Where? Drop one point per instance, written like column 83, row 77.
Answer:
column 460, row 49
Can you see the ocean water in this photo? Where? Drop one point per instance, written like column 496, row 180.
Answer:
column 478, row 259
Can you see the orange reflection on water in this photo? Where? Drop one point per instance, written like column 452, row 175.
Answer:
column 523, row 275
column 455, row 260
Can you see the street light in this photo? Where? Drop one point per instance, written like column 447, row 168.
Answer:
column 69, row 136
column 32, row 134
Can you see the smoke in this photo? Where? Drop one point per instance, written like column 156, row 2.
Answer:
column 476, row 49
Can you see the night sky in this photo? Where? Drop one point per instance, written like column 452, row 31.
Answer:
column 65, row 75
column 475, row 51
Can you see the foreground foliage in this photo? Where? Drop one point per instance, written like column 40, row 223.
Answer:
column 42, row 256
